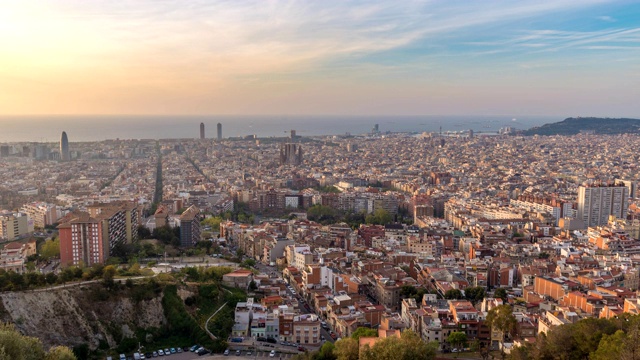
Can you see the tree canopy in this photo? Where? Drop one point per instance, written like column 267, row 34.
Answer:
column 50, row 249
column 453, row 294
column 457, row 339
column 15, row 346
column 408, row 347
column 364, row 332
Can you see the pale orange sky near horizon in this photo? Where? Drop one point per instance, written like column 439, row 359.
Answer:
column 271, row 57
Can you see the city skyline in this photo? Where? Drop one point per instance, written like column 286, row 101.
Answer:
column 241, row 58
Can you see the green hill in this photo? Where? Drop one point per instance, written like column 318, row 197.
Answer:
column 572, row 126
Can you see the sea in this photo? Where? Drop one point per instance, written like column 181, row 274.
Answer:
column 98, row 128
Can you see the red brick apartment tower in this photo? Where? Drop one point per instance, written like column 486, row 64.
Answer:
column 81, row 241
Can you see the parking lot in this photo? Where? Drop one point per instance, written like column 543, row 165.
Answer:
column 254, row 355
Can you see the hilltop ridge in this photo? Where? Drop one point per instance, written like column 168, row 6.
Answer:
column 572, row 126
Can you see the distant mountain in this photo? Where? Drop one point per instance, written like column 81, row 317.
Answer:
column 572, row 126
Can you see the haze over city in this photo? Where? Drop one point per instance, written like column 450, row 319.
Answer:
column 558, row 58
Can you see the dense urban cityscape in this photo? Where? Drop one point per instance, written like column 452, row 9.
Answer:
column 319, row 180
column 434, row 232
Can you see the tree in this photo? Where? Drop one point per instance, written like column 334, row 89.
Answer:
column 60, row 353
column 457, row 339
column 379, row 217
column 610, row 346
column 50, row 249
column 143, row 232
column 500, row 293
column 347, row 349
column 108, row 273
column 81, row 351
column 252, row 286
column 408, row 346
column 326, row 352
column 453, row 294
column 474, row 294
column 15, row 346
column 364, row 332
column 407, row 291
column 501, row 319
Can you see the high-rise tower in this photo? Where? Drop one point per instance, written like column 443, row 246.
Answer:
column 219, row 132
column 201, row 130
column 597, row 202
column 64, row 147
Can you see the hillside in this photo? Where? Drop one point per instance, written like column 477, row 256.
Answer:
column 572, row 126
column 80, row 315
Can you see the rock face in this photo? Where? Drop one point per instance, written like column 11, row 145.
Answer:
column 79, row 315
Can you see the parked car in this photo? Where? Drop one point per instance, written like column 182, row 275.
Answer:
column 261, row 338
column 161, row 352
column 155, row 354
column 272, row 340
column 173, row 350
column 238, row 352
column 272, row 353
column 194, row 348
column 202, row 351
column 226, row 352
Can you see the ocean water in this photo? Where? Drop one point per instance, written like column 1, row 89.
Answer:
column 96, row 128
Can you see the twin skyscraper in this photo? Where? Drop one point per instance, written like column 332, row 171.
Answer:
column 219, row 131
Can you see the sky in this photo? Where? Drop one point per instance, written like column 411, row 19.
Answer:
column 565, row 58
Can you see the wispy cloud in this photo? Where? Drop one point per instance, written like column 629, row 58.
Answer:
column 220, row 49
column 606, row 18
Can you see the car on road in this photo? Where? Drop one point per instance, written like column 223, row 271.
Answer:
column 272, row 353
column 300, row 348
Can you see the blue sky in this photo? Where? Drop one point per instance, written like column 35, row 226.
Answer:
column 559, row 58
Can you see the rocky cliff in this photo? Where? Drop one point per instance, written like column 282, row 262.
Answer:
column 87, row 314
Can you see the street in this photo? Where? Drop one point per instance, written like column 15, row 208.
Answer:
column 271, row 270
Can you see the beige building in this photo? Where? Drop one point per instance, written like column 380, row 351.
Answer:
column 14, row 225
column 306, row 329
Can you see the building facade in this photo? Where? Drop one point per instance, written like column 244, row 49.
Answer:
column 190, row 226
column 596, row 203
